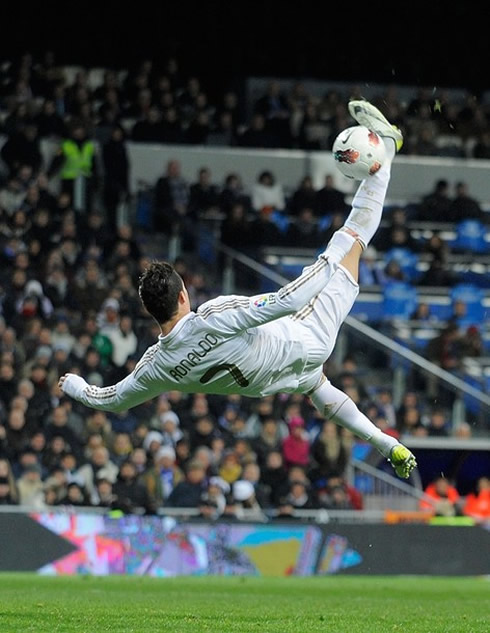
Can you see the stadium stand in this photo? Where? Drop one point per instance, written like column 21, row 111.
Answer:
column 68, row 300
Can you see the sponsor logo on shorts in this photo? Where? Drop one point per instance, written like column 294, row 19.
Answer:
column 262, row 301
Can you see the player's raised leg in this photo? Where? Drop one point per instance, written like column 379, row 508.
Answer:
column 363, row 221
column 367, row 205
column 335, row 405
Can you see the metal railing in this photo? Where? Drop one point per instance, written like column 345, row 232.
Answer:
column 381, row 491
column 358, row 329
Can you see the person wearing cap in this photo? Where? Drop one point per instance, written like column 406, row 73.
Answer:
column 163, row 476
column 31, row 487
column 276, row 342
column 169, row 427
column 248, row 507
column 109, row 316
column 213, row 500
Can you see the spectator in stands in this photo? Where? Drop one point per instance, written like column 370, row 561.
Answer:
column 471, row 342
column 57, row 425
column 273, row 106
column 115, row 162
column 247, row 505
column 188, row 493
column 256, row 134
column 149, row 128
column 31, row 488
column 75, row 496
column 77, row 158
column 89, row 289
column 477, row 504
column 230, row 468
column 443, row 349
column 99, row 465
column 438, row 425
column 267, row 192
column 171, row 204
column 303, row 231
column 410, row 422
column 223, row 133
column 444, row 499
column 336, row 495
column 252, row 473
column 463, row 206
column 329, row 200
column 203, row 195
column 330, row 456
column 296, row 446
column 393, row 271
column 438, row 275
column 481, row 148
column 163, row 476
column 265, row 231
column 124, row 341
column 22, row 148
column 235, row 228
column 435, row 206
column 370, row 270
column 49, row 123
column 313, row 130
column 304, row 197
column 6, row 492
column 423, row 143
column 299, row 496
column 269, row 439
column 130, row 492
column 232, row 192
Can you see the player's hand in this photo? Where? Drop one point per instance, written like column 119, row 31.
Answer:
column 61, row 381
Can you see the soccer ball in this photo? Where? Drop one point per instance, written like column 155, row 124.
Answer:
column 358, row 152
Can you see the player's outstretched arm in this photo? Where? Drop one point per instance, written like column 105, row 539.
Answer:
column 136, row 388
column 230, row 314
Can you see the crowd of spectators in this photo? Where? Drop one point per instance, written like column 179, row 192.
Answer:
column 158, row 103
column 68, row 302
column 443, row 499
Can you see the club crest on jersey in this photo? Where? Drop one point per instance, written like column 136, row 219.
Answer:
column 262, row 301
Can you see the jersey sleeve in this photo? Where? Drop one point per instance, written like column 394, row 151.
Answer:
column 136, row 388
column 232, row 313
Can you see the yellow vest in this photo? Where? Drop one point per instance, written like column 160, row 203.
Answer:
column 78, row 160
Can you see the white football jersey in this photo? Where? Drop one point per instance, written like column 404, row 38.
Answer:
column 231, row 344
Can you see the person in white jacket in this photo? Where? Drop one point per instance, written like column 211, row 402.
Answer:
column 264, row 344
column 124, row 341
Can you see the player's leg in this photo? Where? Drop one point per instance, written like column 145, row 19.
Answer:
column 335, row 405
column 367, row 205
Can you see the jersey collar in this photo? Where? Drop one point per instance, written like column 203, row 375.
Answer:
column 166, row 339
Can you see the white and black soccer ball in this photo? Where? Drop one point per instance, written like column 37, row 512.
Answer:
column 358, row 152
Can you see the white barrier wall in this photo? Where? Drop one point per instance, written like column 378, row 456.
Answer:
column 412, row 176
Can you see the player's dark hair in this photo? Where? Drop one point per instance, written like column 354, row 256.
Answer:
column 159, row 289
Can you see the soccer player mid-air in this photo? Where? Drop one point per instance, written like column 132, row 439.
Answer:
column 264, row 344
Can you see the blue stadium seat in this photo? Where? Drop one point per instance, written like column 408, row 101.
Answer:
column 407, row 260
column 421, row 337
column 281, row 220
column 324, row 223
column 470, row 236
column 472, row 296
column 399, row 300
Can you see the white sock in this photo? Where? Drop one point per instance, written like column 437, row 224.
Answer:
column 335, row 405
column 367, row 205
